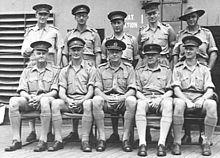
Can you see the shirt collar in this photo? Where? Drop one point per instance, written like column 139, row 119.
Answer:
column 122, row 37
column 185, row 66
column 86, row 29
column 83, row 63
column 36, row 28
column 36, row 69
column 159, row 25
column 158, row 68
column 186, row 30
column 122, row 66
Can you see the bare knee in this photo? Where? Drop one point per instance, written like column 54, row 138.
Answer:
column 131, row 102
column 97, row 102
column 15, row 102
column 87, row 106
column 211, row 107
column 45, row 104
column 179, row 106
column 167, row 105
column 56, row 105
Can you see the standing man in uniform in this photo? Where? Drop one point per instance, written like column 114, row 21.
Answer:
column 92, row 52
column 156, row 32
column 207, row 50
column 92, row 49
column 38, row 87
column 193, row 88
column 76, row 84
column 154, row 95
column 42, row 31
column 130, row 54
column 114, row 93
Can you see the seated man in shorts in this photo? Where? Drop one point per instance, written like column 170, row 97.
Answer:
column 114, row 93
column 154, row 95
column 76, row 83
column 193, row 89
column 37, row 89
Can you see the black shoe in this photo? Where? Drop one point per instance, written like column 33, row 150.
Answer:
column 142, row 150
column 41, row 146
column 73, row 136
column 126, row 146
column 86, row 147
column 101, row 146
column 15, row 145
column 206, row 150
column 161, row 150
column 57, row 146
column 50, row 137
column 186, row 139
column 176, row 149
column 201, row 141
column 31, row 137
column 114, row 138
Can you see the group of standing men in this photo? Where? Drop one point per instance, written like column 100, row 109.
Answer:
column 69, row 77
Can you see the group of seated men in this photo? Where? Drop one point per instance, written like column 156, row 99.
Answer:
column 115, row 86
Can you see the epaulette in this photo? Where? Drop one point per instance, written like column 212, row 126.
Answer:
column 178, row 64
column 94, row 30
column 140, row 66
column 127, row 64
column 142, row 27
column 101, row 65
column 163, row 65
column 165, row 24
column 130, row 36
column 109, row 37
column 53, row 27
column 205, row 29
column 179, row 32
column 202, row 63
column 29, row 28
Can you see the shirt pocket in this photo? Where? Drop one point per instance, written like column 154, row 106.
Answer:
column 33, row 84
column 122, row 80
column 185, row 81
column 48, row 81
column 107, row 80
column 162, row 40
column 199, row 82
column 161, row 81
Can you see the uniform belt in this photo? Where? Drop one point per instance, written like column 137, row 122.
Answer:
column 152, row 93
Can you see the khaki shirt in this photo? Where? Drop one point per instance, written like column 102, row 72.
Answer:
column 153, row 80
column 192, row 81
column 49, row 33
column 77, row 82
column 164, row 35
column 90, row 36
column 131, row 51
column 32, row 81
column 208, row 43
column 119, row 81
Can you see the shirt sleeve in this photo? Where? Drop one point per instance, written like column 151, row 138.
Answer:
column 59, row 41
column 135, row 48
column 26, row 44
column 104, row 50
column 23, row 84
column 63, row 78
column 169, row 80
column 212, row 44
column 176, row 78
column 138, row 81
column 97, row 43
column 208, row 80
column 92, row 76
column 54, row 85
column 131, row 79
column 65, row 51
column 98, row 80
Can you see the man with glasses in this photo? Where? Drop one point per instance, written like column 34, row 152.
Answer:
column 157, row 32
column 130, row 54
column 91, row 53
column 42, row 31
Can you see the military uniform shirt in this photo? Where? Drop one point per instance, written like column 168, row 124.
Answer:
column 162, row 35
column 77, row 83
column 131, row 51
column 91, row 38
column 117, row 81
column 208, row 43
column 197, row 80
column 32, row 81
column 49, row 33
column 153, row 80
